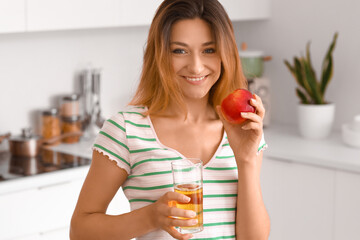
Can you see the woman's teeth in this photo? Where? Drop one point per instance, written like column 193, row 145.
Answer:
column 195, row 79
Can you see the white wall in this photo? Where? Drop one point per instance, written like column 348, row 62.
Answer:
column 292, row 25
column 37, row 67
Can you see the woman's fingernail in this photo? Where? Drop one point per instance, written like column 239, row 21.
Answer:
column 253, row 100
column 192, row 214
column 244, row 114
column 194, row 221
column 186, row 199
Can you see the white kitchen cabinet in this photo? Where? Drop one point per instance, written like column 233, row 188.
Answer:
column 138, row 12
column 247, row 9
column 72, row 14
column 38, row 210
column 12, row 16
column 347, row 206
column 299, row 199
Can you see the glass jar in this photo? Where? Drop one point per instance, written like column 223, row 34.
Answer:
column 71, row 125
column 70, row 105
column 51, row 125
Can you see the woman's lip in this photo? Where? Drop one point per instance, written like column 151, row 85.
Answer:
column 196, row 80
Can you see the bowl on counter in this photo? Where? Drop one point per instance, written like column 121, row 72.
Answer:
column 351, row 133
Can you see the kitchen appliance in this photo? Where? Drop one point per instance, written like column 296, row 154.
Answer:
column 90, row 98
column 261, row 87
column 252, row 62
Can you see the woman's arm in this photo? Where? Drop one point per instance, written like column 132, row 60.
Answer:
column 252, row 220
column 90, row 221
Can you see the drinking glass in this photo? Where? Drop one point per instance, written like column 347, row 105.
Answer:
column 188, row 180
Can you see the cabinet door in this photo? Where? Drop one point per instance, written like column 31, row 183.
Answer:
column 299, row 199
column 72, row 14
column 138, row 12
column 247, row 9
column 18, row 214
column 12, row 16
column 347, row 206
column 58, row 204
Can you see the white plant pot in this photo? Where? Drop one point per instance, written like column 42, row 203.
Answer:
column 316, row 121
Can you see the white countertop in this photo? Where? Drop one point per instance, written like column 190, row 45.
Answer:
column 286, row 144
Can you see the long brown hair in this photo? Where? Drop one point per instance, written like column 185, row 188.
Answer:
column 157, row 86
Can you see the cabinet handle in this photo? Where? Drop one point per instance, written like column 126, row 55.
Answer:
column 53, row 185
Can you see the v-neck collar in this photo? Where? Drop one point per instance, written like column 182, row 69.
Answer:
column 223, row 140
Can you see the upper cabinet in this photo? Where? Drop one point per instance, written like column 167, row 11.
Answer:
column 46, row 15
column 12, row 16
column 239, row 10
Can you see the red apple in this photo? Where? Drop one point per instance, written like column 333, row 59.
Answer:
column 235, row 103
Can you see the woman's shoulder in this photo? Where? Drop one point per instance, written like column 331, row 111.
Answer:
column 129, row 114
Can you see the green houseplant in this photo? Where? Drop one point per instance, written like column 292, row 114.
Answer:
column 315, row 114
column 310, row 90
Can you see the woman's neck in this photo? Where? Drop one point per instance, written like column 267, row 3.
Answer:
column 198, row 110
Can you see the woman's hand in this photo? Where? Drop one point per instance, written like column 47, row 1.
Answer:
column 164, row 213
column 244, row 139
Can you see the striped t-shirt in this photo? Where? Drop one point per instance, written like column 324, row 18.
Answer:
column 129, row 139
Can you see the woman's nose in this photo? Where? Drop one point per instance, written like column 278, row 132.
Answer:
column 196, row 65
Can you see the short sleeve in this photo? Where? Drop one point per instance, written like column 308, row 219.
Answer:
column 262, row 145
column 112, row 142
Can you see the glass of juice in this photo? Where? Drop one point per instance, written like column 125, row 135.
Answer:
column 188, row 180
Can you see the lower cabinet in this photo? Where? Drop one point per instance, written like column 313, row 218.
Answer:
column 308, row 202
column 45, row 213
column 32, row 213
column 347, row 206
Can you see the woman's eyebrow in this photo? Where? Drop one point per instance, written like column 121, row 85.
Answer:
column 185, row 45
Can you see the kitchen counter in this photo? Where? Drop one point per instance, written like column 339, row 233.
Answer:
column 56, row 165
column 286, row 144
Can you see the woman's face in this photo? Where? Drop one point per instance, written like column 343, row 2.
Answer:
column 195, row 60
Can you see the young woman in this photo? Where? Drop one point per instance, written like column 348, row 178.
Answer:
column 190, row 64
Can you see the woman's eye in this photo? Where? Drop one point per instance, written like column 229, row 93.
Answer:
column 179, row 51
column 209, row 50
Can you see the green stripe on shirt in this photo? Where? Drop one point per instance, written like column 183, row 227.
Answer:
column 219, row 209
column 155, row 160
column 146, row 150
column 220, row 181
column 148, row 188
column 112, row 153
column 150, row 174
column 221, row 169
column 224, row 157
column 218, row 224
column 140, row 138
column 138, row 125
column 116, row 124
column 219, row 195
column 141, row 200
column 215, row 238
column 133, row 113
column 115, row 140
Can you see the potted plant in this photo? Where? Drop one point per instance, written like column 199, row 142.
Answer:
column 316, row 115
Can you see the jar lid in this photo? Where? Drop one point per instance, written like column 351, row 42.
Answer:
column 71, row 97
column 26, row 135
column 51, row 112
column 247, row 53
column 71, row 119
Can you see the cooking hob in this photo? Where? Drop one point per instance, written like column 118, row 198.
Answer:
column 12, row 167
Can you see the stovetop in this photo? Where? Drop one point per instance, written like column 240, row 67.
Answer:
column 12, row 167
